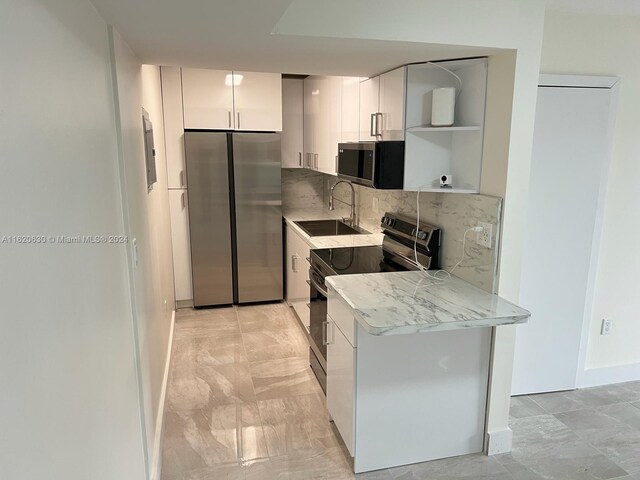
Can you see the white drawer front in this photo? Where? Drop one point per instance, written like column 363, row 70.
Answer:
column 342, row 315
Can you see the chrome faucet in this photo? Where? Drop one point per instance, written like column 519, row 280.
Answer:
column 352, row 219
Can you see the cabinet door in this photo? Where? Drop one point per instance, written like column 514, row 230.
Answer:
column 208, row 99
column 173, row 126
column 291, row 262
column 392, row 101
column 299, row 299
column 350, row 109
column 369, row 100
column 258, row 101
column 341, row 362
column 292, row 123
column 330, row 125
column 311, row 120
column 178, row 210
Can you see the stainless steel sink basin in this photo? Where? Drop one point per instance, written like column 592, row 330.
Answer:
column 321, row 228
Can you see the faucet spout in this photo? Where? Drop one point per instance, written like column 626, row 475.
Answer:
column 352, row 218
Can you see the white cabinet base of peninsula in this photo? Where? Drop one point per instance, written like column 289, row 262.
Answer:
column 403, row 399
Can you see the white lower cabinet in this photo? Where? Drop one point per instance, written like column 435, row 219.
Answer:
column 297, row 271
column 341, row 363
column 179, row 213
column 403, row 399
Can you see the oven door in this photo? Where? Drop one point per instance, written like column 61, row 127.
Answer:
column 318, row 321
column 356, row 162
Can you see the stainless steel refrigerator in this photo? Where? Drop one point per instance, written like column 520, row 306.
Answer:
column 235, row 216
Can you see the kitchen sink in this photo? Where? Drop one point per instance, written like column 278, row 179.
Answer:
column 321, row 228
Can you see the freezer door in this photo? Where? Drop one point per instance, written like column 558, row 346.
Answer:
column 256, row 158
column 209, row 217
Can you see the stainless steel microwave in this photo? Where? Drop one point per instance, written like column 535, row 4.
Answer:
column 373, row 164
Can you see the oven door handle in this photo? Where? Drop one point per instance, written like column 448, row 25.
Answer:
column 314, row 284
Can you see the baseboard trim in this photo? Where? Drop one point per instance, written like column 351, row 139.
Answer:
column 156, row 459
column 499, row 442
column 594, row 377
column 184, row 304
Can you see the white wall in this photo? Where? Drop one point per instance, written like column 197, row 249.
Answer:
column 509, row 126
column 148, row 222
column 69, row 401
column 607, row 45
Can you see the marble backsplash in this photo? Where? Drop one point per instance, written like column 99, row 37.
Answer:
column 302, row 188
column 453, row 213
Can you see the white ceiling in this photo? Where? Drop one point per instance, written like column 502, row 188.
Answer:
column 602, row 7
column 237, row 34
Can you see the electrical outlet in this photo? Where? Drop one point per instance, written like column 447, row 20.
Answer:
column 485, row 237
column 607, row 325
column 375, row 204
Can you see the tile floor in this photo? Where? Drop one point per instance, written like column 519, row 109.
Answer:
column 244, row 404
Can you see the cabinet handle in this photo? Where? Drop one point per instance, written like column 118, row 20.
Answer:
column 336, row 165
column 229, row 118
column 315, row 161
column 325, row 333
column 182, row 178
column 238, row 127
column 373, row 119
column 379, row 133
column 294, row 263
column 300, row 159
column 182, row 201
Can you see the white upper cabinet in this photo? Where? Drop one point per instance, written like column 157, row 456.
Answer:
column 350, row 109
column 311, row 121
column 382, row 102
column 369, row 100
column 330, row 131
column 292, row 136
column 392, row 102
column 258, row 101
column 225, row 100
column 208, row 99
column 322, row 122
column 173, row 126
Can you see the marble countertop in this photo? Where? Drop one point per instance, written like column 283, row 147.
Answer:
column 411, row 302
column 293, row 215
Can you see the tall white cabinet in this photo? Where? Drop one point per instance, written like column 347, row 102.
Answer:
column 176, row 170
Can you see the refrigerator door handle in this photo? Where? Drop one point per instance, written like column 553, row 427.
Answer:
column 300, row 159
column 238, row 126
column 182, row 178
column 182, row 202
column 229, row 118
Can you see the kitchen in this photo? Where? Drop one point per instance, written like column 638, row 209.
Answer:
column 110, row 371
column 341, row 166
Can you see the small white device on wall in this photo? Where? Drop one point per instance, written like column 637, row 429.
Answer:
column 446, row 181
column 443, row 106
